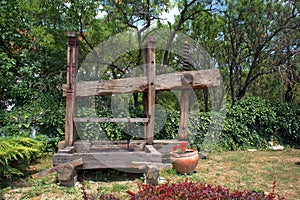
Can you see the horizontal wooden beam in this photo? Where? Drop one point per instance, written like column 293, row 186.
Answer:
column 116, row 120
column 107, row 159
column 201, row 79
column 143, row 165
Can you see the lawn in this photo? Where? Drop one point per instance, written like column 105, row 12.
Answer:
column 242, row 170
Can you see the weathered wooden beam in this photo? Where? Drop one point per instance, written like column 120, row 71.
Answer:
column 202, row 79
column 184, row 100
column 67, row 150
column 107, row 159
column 72, row 62
column 116, row 120
column 42, row 174
column 150, row 47
column 184, row 109
column 158, row 165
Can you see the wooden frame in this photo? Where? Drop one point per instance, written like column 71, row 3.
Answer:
column 121, row 154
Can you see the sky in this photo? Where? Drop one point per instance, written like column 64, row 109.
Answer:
column 167, row 16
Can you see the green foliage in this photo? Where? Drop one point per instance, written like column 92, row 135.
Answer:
column 32, row 61
column 16, row 153
column 199, row 123
column 238, row 34
column 253, row 122
column 42, row 118
column 250, row 123
column 288, row 123
column 170, row 128
column 105, row 130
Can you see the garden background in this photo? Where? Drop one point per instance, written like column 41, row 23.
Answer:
column 255, row 43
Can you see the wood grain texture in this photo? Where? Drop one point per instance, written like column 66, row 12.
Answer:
column 111, row 159
column 172, row 81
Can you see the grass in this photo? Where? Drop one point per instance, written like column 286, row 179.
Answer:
column 240, row 170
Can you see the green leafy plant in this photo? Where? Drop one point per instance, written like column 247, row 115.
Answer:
column 249, row 123
column 287, row 123
column 17, row 152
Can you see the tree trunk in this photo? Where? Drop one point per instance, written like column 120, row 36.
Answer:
column 290, row 84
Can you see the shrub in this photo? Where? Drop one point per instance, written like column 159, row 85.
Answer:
column 251, row 122
column 196, row 190
column 43, row 120
column 287, row 123
column 17, row 152
column 171, row 126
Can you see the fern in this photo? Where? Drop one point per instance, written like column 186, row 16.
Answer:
column 14, row 149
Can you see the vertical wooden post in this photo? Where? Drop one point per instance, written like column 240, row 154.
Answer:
column 149, row 101
column 145, row 94
column 72, row 56
column 184, row 100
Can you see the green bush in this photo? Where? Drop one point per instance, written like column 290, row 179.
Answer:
column 15, row 153
column 43, row 120
column 251, row 122
column 170, row 128
column 287, row 123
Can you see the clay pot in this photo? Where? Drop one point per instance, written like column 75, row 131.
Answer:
column 185, row 163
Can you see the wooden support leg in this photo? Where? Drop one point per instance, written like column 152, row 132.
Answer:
column 67, row 175
column 184, row 107
column 152, row 174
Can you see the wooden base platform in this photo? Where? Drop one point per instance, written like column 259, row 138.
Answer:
column 134, row 157
column 114, row 154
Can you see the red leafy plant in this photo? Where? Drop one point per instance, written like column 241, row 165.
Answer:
column 196, row 190
column 182, row 148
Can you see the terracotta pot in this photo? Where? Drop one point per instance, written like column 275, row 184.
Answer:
column 184, row 163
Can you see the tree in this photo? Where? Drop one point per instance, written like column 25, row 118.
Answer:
column 32, row 66
column 250, row 39
column 256, row 32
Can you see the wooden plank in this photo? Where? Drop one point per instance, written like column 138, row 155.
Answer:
column 207, row 78
column 82, row 146
column 151, row 149
column 67, row 150
column 98, row 160
column 143, row 165
column 109, row 142
column 116, row 120
column 42, row 174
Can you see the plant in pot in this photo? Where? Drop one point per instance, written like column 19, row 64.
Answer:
column 183, row 158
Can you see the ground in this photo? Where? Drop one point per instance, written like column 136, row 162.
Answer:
column 242, row 170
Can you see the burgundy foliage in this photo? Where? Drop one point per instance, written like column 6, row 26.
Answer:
column 188, row 190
